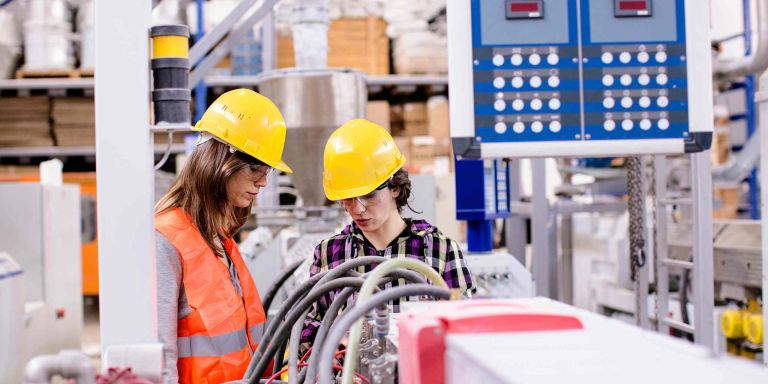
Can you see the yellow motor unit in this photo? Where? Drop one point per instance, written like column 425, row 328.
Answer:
column 732, row 324
column 755, row 329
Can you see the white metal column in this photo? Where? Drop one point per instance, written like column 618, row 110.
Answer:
column 124, row 178
column 704, row 268
column 544, row 259
column 762, row 100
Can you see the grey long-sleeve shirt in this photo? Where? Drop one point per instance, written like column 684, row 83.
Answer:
column 172, row 302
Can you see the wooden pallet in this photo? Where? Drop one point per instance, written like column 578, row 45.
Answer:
column 86, row 72
column 53, row 73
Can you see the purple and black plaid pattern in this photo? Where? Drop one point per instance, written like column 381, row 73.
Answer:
column 421, row 241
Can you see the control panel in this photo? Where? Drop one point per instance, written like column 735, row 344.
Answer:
column 579, row 77
column 484, row 192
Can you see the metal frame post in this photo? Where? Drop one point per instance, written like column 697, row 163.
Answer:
column 515, row 229
column 124, row 159
column 703, row 269
column 762, row 99
column 661, row 249
column 544, row 264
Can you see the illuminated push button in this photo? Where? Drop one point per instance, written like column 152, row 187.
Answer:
column 518, row 105
column 553, row 59
column 608, row 80
column 516, row 59
column 662, row 101
column 626, row 102
column 535, row 81
column 645, row 124
column 609, row 125
column 553, row 81
column 607, row 58
column 499, row 105
column 643, row 57
column 536, row 104
column 645, row 102
column 663, row 124
column 662, row 79
column 661, row 57
column 500, row 127
column 517, row 82
column 555, row 126
column 625, row 57
column 609, row 102
column 626, row 80
column 534, row 59
column 537, row 127
column 518, row 127
column 627, row 125
column 498, row 82
column 554, row 104
column 644, row 79
column 498, row 60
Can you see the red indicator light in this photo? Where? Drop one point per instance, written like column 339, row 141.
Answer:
column 524, row 7
column 633, row 6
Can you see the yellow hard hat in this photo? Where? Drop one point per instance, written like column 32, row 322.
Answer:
column 359, row 157
column 249, row 122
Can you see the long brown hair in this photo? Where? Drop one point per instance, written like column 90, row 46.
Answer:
column 201, row 191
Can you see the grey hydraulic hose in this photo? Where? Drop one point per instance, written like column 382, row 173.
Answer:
column 263, row 355
column 275, row 287
column 359, row 310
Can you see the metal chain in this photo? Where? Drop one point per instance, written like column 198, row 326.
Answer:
column 655, row 228
column 636, row 235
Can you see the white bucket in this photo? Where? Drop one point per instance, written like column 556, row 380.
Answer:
column 47, row 46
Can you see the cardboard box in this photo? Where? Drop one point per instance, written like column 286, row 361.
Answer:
column 438, row 119
column 360, row 43
column 378, row 112
column 415, row 119
column 396, row 122
column 726, row 202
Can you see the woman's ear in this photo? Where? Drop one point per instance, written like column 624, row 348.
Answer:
column 395, row 192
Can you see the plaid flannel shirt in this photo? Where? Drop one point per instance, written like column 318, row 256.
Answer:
column 420, row 240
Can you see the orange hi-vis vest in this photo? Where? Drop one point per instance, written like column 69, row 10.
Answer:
column 217, row 339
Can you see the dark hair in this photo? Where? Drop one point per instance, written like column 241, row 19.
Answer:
column 402, row 183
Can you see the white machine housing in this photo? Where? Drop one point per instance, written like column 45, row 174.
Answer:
column 40, row 227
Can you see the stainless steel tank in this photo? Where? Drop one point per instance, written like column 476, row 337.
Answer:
column 314, row 103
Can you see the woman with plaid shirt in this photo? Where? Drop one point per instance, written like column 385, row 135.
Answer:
column 363, row 171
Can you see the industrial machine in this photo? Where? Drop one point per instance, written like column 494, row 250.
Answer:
column 46, row 245
column 471, row 342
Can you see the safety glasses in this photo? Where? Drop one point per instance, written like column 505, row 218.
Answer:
column 365, row 200
column 257, row 168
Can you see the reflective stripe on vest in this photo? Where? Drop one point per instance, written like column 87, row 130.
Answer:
column 257, row 331
column 212, row 345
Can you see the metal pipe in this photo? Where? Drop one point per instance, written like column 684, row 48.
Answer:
column 739, row 167
column 751, row 64
column 70, row 364
column 207, row 41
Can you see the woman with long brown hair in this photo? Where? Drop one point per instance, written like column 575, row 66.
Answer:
column 210, row 316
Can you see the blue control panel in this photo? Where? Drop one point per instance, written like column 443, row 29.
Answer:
column 485, row 189
column 579, row 70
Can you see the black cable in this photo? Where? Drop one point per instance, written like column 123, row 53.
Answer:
column 333, row 312
column 272, row 326
column 263, row 356
column 280, row 354
column 359, row 310
column 350, row 264
column 277, row 284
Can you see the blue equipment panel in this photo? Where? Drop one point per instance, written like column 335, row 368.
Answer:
column 485, row 191
column 580, row 70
